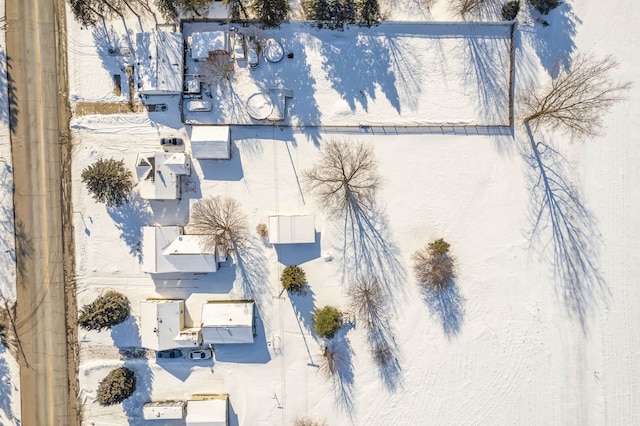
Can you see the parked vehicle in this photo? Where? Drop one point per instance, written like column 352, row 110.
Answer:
column 171, row 353
column 238, row 47
column 198, row 105
column 252, row 55
column 200, row 354
column 171, row 141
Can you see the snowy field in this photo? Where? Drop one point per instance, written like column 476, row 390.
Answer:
column 9, row 371
column 503, row 347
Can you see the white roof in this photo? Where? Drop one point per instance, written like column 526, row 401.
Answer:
column 291, row 229
column 166, row 250
column 160, row 322
column 210, row 142
column 159, row 62
column 209, row 41
column 207, row 412
column 227, row 322
column 158, row 174
column 164, row 410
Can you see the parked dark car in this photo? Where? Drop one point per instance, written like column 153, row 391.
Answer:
column 171, row 141
column 171, row 353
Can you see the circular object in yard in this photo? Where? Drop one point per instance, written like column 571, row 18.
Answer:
column 259, row 106
column 273, row 51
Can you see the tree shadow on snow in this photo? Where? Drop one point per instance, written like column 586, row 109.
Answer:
column 7, row 389
column 303, row 306
column 129, row 218
column 369, row 251
column 554, row 42
column 9, row 114
column 126, row 336
column 485, row 69
column 565, row 229
column 363, row 58
column 343, row 377
column 447, row 306
column 252, row 278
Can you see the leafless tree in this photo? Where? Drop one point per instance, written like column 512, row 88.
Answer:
column 308, row 421
column 433, row 266
column 221, row 221
column 334, row 359
column 575, row 100
column 466, row 7
column 346, row 177
column 367, row 301
column 217, row 69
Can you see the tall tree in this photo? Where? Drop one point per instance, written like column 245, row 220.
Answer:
column 368, row 12
column 271, row 12
column 576, row 100
column 104, row 312
column 108, row 181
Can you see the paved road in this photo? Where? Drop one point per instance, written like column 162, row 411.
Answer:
column 40, row 317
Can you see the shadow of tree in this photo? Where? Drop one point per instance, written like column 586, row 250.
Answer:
column 253, row 274
column 8, row 390
column 129, row 218
column 124, row 336
column 364, row 59
column 447, row 306
column 566, row 228
column 369, row 251
column 342, row 377
column 9, row 116
column 554, row 42
column 488, row 71
column 303, row 306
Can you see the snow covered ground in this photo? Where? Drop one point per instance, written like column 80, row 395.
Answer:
column 502, row 348
column 9, row 371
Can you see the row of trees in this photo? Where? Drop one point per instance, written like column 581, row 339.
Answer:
column 336, row 13
column 269, row 12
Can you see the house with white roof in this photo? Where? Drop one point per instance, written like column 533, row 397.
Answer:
column 208, row 410
column 201, row 44
column 162, row 326
column 159, row 174
column 228, row 321
column 211, row 142
column 291, row 230
column 166, row 249
column 159, row 62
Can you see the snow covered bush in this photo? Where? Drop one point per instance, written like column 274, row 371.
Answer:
column 108, row 181
column 510, row 10
column 293, row 279
column 262, row 230
column 221, row 222
column 433, row 266
column 308, row 421
column 106, row 311
column 345, row 178
column 117, row 386
column 326, row 321
column 544, row 6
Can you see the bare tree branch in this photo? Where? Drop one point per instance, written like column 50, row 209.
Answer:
column 221, row 221
column 576, row 100
column 346, row 177
column 217, row 69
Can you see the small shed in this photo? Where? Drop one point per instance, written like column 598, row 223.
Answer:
column 162, row 325
column 164, row 410
column 201, row 43
column 211, row 142
column 228, row 321
column 291, row 230
column 165, row 249
column 208, row 410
